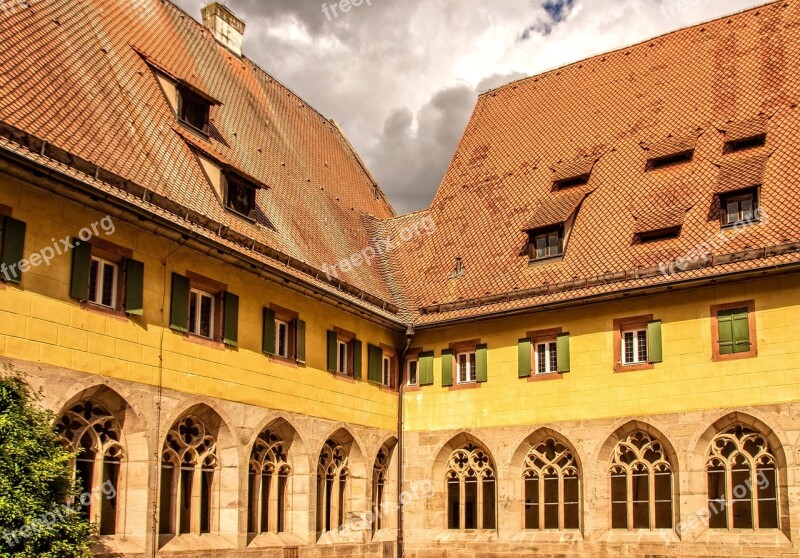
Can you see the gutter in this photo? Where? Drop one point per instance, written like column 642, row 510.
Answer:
column 410, row 334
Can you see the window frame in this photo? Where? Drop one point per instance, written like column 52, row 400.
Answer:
column 635, row 334
column 386, row 371
column 343, row 365
column 115, row 282
column 535, row 234
column 185, row 97
column 415, row 360
column 287, row 345
column 625, row 325
column 238, row 181
column 200, row 294
column 750, row 306
column 738, row 196
column 550, row 346
column 457, row 368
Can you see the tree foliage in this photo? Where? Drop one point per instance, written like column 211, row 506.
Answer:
column 35, row 481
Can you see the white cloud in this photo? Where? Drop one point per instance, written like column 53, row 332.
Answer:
column 401, row 77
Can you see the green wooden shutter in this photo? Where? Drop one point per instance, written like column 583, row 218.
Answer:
column 562, row 352
column 725, row 327
column 179, row 305
column 332, row 349
column 524, row 360
column 375, row 362
column 81, row 265
column 230, row 323
column 12, row 251
column 481, row 363
column 268, row 333
column 425, row 369
column 654, row 348
column 741, row 332
column 357, row 354
column 134, row 287
column 447, row 367
column 299, row 340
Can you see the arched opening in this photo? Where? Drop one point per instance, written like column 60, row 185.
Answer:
column 641, row 483
column 384, row 488
column 333, row 484
column 471, row 489
column 90, row 430
column 268, row 484
column 742, row 474
column 190, row 467
column 552, row 489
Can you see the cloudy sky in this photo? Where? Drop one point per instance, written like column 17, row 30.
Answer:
column 402, row 76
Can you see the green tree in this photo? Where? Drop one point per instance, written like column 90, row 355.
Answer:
column 35, row 480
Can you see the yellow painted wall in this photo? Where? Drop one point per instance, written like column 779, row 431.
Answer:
column 40, row 323
column 686, row 380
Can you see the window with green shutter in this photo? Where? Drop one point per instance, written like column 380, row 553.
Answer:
column 300, row 341
column 734, row 331
column 447, row 367
column 134, row 287
column 562, row 349
column 482, row 364
column 374, row 364
column 179, row 303
column 11, row 249
column 524, row 358
column 268, row 331
column 81, row 268
column 654, row 348
column 230, row 325
column 426, row 369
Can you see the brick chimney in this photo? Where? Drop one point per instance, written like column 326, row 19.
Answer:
column 227, row 29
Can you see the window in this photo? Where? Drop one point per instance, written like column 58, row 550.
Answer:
column 471, row 489
column 240, row 196
column 412, row 368
column 94, row 434
column 641, row 484
column 188, row 478
column 661, row 234
column 743, row 144
column 332, row 487
column 201, row 313
column 670, row 160
column 742, row 481
column 281, row 339
column 552, row 487
column 739, row 208
column 268, row 486
column 733, row 331
column 547, row 244
column 386, row 377
column 546, row 357
column 103, row 282
column 380, row 472
column 634, row 347
column 342, row 357
column 465, row 368
column 193, row 109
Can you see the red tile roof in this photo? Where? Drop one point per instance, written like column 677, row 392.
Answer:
column 76, row 95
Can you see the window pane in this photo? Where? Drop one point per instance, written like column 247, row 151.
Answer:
column 766, row 482
column 641, row 500
column 488, row 504
column 742, row 497
column 282, row 333
column 453, row 505
column 471, row 504
column 462, row 368
column 541, row 247
column 732, row 214
column 109, row 276
column 541, row 357
column 627, row 347
column 193, row 312
column 663, row 494
column 717, row 514
column 206, row 305
column 747, row 209
column 531, row 503
column 94, row 270
column 412, row 372
column 551, row 502
column 553, row 357
column 642, row 345
column 619, row 501
column 553, row 243
column 571, row 503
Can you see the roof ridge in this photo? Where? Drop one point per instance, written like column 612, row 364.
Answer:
column 629, row 46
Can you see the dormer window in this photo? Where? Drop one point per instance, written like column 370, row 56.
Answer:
column 675, row 150
column 574, row 173
column 739, row 208
column 193, row 109
column 746, row 143
column 240, row 195
column 741, row 136
column 670, row 160
column 545, row 244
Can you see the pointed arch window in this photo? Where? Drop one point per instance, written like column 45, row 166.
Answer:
column 471, row 489
column 92, row 432
column 641, row 484
column 332, row 487
column 188, row 474
column 742, row 481
column 268, row 486
column 552, row 487
column 379, row 480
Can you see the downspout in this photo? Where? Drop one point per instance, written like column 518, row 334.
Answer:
column 410, row 333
